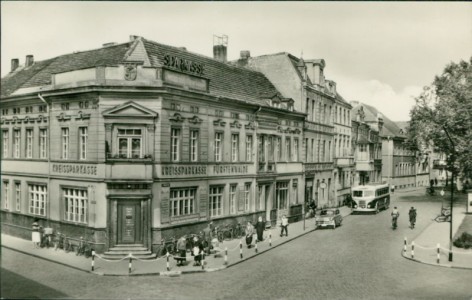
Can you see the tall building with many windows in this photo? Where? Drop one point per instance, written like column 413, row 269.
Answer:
column 131, row 143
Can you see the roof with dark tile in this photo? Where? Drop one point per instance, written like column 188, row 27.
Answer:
column 389, row 127
column 226, row 80
column 40, row 72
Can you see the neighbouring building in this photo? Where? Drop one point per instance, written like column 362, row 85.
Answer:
column 398, row 162
column 305, row 83
column 138, row 141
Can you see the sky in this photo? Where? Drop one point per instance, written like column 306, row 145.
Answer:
column 378, row 53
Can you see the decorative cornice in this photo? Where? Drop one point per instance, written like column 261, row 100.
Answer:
column 63, row 117
column 177, row 118
column 219, row 122
column 250, row 126
column 195, row 120
column 235, row 124
column 82, row 116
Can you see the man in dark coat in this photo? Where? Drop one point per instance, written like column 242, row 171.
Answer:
column 260, row 226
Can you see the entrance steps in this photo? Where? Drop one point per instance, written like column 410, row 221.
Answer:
column 122, row 251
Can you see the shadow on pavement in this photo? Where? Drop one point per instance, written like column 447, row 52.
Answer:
column 14, row 286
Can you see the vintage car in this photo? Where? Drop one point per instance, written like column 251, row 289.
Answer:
column 329, row 217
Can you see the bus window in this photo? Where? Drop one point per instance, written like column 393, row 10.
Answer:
column 357, row 193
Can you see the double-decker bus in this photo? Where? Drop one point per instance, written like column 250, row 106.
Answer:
column 371, row 198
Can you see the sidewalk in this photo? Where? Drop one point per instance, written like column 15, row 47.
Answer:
column 425, row 250
column 158, row 266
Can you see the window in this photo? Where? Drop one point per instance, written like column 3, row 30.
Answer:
column 43, row 108
column 312, row 154
column 248, row 147
column 235, row 147
column 28, row 109
column 83, row 132
column 37, row 199
column 323, row 149
column 270, row 148
column 287, row 148
column 282, row 195
column 129, row 143
column 247, row 196
column 65, row 143
column 295, row 150
column 16, row 110
column 6, row 200
column 261, row 142
column 43, row 150
column 219, row 113
column 75, row 205
column 65, row 106
column 318, row 150
column 279, row 148
column 260, row 197
column 193, row 145
column 5, row 143
column 18, row 196
column 29, row 143
column 218, row 146
column 232, row 198
column 194, row 109
column 182, row 201
column 16, row 143
column 234, row 115
column 216, row 201
column 5, row 111
column 83, row 104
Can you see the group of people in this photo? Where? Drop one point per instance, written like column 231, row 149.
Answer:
column 258, row 228
column 411, row 214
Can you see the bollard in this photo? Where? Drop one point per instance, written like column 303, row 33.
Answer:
column 404, row 246
column 413, row 249
column 226, row 255
column 270, row 239
column 168, row 268
column 93, row 260
column 130, row 265
column 438, row 254
column 256, row 246
column 203, row 261
column 241, row 249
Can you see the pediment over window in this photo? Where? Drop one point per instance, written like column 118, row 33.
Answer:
column 129, row 110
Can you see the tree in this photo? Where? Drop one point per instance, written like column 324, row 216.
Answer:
column 442, row 117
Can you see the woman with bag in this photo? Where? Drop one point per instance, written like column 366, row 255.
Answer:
column 249, row 233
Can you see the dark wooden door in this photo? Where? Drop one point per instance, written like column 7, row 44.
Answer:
column 129, row 223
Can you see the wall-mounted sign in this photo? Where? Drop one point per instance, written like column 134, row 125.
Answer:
column 183, row 170
column 230, row 169
column 74, row 169
column 182, row 64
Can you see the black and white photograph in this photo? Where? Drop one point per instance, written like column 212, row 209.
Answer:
column 236, row 150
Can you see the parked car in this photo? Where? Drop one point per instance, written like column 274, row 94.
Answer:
column 329, row 217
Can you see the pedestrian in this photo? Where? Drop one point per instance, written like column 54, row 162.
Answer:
column 249, row 231
column 36, row 235
column 392, row 188
column 197, row 251
column 207, row 237
column 57, row 240
column 284, row 226
column 412, row 215
column 182, row 251
column 435, row 181
column 260, row 226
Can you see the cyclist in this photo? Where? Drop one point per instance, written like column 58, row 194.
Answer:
column 412, row 215
column 395, row 214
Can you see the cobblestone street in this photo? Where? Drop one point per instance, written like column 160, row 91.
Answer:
column 360, row 259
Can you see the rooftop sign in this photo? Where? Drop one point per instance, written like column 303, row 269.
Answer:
column 182, row 64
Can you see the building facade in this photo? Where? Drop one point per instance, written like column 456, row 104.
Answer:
column 132, row 143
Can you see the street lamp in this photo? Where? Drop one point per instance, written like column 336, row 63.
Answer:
column 452, row 158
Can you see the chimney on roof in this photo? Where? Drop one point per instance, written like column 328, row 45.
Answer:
column 133, row 37
column 109, row 44
column 15, row 62
column 29, row 61
column 183, row 48
column 244, row 56
column 331, row 86
column 220, row 45
column 380, row 121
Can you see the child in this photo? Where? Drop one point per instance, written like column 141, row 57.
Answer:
column 284, row 226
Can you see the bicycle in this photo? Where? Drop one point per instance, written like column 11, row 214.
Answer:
column 169, row 245
column 226, row 233
column 68, row 246
column 238, row 231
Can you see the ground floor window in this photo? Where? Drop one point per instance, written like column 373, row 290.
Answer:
column 232, row 198
column 37, row 199
column 76, row 204
column 6, row 188
column 282, row 195
column 247, row 196
column 216, row 201
column 182, row 201
column 18, row 195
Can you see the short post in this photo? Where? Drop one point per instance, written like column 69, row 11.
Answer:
column 226, row 255
column 404, row 246
column 203, row 260
column 130, row 264
column 241, row 249
column 168, row 267
column 413, row 249
column 93, row 260
column 256, row 246
column 270, row 238
column 437, row 260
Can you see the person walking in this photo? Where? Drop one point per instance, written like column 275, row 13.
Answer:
column 197, row 251
column 181, row 251
column 412, row 215
column 207, row 237
column 284, row 226
column 36, row 235
column 249, row 231
column 260, row 226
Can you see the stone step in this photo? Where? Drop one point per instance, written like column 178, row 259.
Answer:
column 129, row 249
column 115, row 255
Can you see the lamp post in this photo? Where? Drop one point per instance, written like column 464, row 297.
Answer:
column 452, row 160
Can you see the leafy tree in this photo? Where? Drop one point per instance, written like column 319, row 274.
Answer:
column 442, row 117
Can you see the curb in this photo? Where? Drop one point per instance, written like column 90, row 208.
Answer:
column 435, row 264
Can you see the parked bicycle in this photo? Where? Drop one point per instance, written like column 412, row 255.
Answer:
column 168, row 245
column 68, row 246
column 83, row 248
column 46, row 240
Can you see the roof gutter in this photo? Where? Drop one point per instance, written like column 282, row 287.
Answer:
column 48, row 152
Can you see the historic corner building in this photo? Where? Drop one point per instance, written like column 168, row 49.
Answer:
column 135, row 142
column 328, row 161
column 398, row 165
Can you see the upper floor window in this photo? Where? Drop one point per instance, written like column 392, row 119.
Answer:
column 65, row 142
column 16, row 110
column 130, row 143
column 28, row 109
column 295, row 150
column 6, row 193
column 219, row 113
column 5, row 111
column 247, row 196
column 18, row 195
column 218, row 146
column 5, row 143
column 65, row 106
column 232, row 198
column 175, row 106
column 43, row 108
column 194, row 145
column 287, row 148
column 29, row 143
column 248, row 147
column 234, row 115
column 43, row 146
column 194, row 109
column 235, row 147
column 83, row 104
column 175, row 144
column 16, row 143
column 83, row 138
